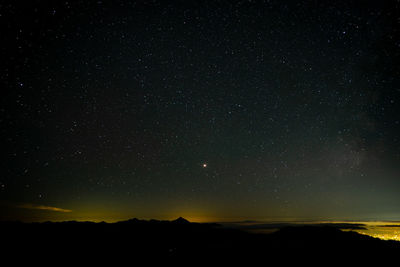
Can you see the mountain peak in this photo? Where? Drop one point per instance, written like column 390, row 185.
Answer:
column 181, row 220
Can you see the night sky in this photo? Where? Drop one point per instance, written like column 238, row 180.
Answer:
column 210, row 110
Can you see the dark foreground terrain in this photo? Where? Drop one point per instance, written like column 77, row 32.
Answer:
column 138, row 240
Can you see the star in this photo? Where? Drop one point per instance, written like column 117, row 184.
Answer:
column 204, row 165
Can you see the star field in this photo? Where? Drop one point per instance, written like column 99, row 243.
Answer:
column 213, row 110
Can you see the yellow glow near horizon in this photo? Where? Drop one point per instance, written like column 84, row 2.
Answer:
column 385, row 230
column 384, row 233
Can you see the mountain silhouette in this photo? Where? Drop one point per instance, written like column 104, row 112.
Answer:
column 179, row 239
column 181, row 220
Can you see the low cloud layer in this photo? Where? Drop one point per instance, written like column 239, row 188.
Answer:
column 42, row 207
